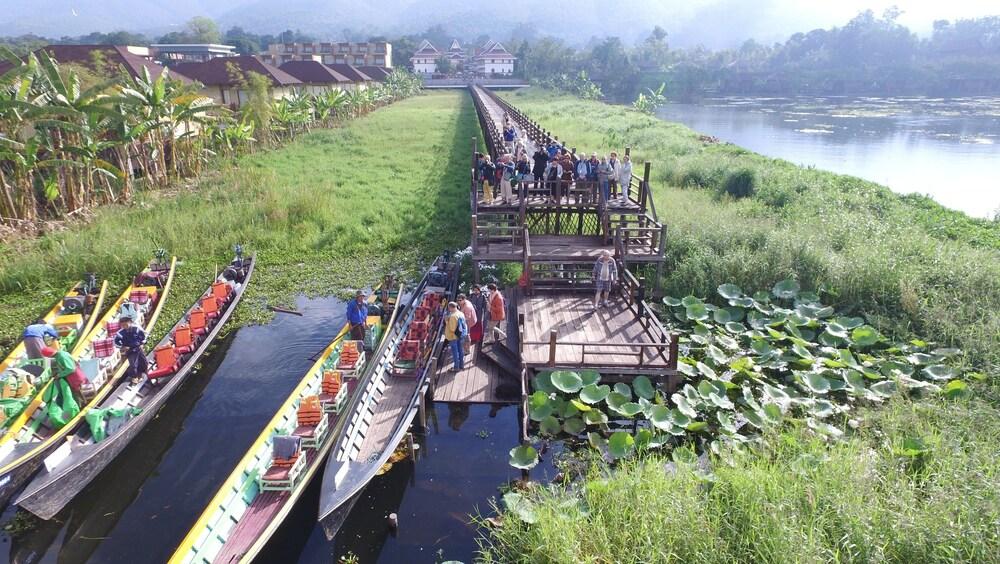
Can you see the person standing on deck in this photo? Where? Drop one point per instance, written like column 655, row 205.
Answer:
column 471, row 320
column 553, row 175
column 34, row 338
column 604, row 171
column 614, row 163
column 509, row 135
column 498, row 311
column 507, row 170
column 581, row 169
column 454, row 331
column 522, row 171
column 357, row 316
column 605, row 275
column 541, row 160
column 130, row 340
column 625, row 177
column 553, row 148
column 487, row 173
column 478, row 301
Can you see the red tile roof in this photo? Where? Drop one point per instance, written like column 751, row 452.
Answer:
column 216, row 72
column 377, row 73
column 352, row 72
column 114, row 55
column 314, row 72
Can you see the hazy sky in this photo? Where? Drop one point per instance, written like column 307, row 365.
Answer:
column 713, row 23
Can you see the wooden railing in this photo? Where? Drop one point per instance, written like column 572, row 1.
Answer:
column 665, row 350
column 485, row 233
column 527, row 265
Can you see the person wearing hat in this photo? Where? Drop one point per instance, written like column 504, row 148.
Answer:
column 130, row 340
column 34, row 338
column 357, row 316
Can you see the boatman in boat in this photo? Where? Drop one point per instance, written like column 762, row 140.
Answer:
column 130, row 340
column 34, row 338
column 357, row 316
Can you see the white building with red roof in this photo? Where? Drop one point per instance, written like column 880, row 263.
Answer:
column 424, row 61
column 493, row 58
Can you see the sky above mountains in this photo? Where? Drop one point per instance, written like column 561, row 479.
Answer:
column 713, row 23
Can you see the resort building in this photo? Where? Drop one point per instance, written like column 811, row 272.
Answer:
column 456, row 56
column 494, row 59
column 169, row 53
column 225, row 79
column 372, row 53
column 424, row 60
column 318, row 78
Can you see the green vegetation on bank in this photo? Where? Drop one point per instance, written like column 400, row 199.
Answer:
column 908, row 265
column 335, row 209
column 916, row 482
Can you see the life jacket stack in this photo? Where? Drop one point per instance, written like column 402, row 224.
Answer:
column 334, row 393
column 418, row 335
column 352, row 358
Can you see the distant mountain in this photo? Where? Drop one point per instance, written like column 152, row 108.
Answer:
column 55, row 18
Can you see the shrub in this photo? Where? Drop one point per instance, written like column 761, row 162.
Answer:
column 739, row 183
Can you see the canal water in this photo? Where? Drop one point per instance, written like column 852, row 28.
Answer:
column 946, row 148
column 142, row 506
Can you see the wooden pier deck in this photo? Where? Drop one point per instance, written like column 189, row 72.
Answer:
column 477, row 383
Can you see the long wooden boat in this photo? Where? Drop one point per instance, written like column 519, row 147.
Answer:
column 77, row 311
column 131, row 407
column 31, row 437
column 255, row 499
column 380, row 415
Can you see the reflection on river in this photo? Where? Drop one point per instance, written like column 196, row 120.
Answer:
column 946, row 148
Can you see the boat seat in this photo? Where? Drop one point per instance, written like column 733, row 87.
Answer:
column 284, row 472
column 197, row 320
column 334, row 395
column 222, row 290
column 166, row 362
column 183, row 339
column 210, row 305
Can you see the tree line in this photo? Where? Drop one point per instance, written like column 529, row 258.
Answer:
column 71, row 139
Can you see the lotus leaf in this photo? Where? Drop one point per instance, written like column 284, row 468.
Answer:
column 595, row 417
column 786, row 289
column 543, row 382
column 822, row 409
column 643, row 438
column 697, row 312
column 735, row 327
column 706, row 370
column 749, row 400
column 919, row 359
column 589, row 377
column 741, row 302
column 659, row 416
column 680, row 316
column 579, row 405
column 772, row 413
column 679, row 419
column 550, row 426
column 524, row 457
column 730, row 291
column 757, row 320
column 776, row 335
column 855, row 381
column 742, row 364
column 689, row 301
column 762, row 297
column 594, row 394
column 955, row 389
column 574, row 426
column 828, row 340
column 686, row 369
column 540, row 406
column 620, row 444
column 837, row 330
column 725, row 422
column 721, row 316
column 849, row 322
column 945, row 352
column 721, row 400
column 816, row 383
column 697, row 426
column 629, row 409
column 520, row 506
column 778, row 395
column 884, row 388
column 566, row 381
column 685, row 407
column 761, row 346
column 797, row 320
column 717, row 355
column 753, row 418
column 624, row 389
column 803, row 352
column 569, row 409
column 736, row 313
column 670, row 301
column 865, row 336
column 939, row 372
column 643, row 387
column 728, row 342
column 596, row 440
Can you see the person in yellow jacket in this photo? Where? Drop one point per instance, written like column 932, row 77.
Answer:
column 455, row 329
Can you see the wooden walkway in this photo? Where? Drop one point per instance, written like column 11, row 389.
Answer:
column 609, row 337
column 477, row 383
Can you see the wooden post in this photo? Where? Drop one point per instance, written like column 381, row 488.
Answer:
column 422, row 409
column 672, row 362
column 645, row 185
column 552, row 347
column 475, row 147
column 641, row 298
column 520, row 328
column 628, row 151
column 475, row 237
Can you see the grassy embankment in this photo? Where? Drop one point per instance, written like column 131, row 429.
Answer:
column 334, row 210
column 917, row 481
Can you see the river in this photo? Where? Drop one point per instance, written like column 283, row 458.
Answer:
column 948, row 149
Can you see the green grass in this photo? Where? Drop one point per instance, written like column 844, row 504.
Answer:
column 334, row 210
column 796, row 500
column 910, row 265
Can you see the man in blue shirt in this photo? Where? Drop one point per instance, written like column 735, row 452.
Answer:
column 130, row 340
column 357, row 316
column 34, row 337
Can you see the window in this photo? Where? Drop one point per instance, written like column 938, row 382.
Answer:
column 344, row 48
column 359, row 60
column 307, row 49
column 380, row 61
column 362, row 48
column 327, row 59
column 341, row 61
column 326, row 49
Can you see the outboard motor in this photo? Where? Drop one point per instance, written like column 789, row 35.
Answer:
column 75, row 304
column 237, row 270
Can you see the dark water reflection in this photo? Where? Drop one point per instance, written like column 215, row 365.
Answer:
column 141, row 508
column 946, row 148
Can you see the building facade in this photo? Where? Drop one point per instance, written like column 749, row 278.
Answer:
column 170, row 53
column 224, row 79
column 494, row 59
column 424, row 60
column 374, row 53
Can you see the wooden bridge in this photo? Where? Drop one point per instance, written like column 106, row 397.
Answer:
column 556, row 230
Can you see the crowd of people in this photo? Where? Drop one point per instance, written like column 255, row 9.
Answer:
column 471, row 321
column 555, row 166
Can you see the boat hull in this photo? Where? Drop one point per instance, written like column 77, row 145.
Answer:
column 49, row 493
